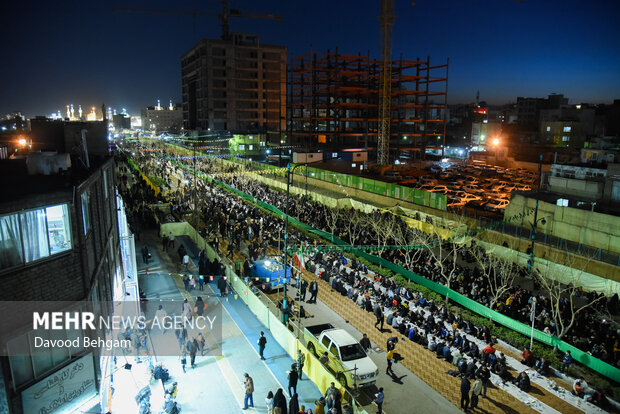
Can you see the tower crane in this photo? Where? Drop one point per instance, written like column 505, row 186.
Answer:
column 224, row 16
column 386, row 19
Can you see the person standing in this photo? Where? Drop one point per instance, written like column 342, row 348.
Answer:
column 186, row 262
column 303, row 287
column 314, row 290
column 171, row 240
column 292, row 380
column 192, row 348
column 567, row 360
column 379, row 400
column 319, row 406
column 380, row 317
column 201, row 282
column 390, row 358
column 269, row 402
column 262, row 341
column 293, row 405
column 465, row 387
column 249, row 390
column 279, row 401
column 475, row 392
column 161, row 316
column 164, row 242
column 301, row 360
column 484, row 374
column 145, row 254
column 365, row 343
column 221, row 285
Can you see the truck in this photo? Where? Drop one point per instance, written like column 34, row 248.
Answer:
column 346, row 357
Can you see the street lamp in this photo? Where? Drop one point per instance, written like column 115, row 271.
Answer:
column 289, row 173
column 530, row 264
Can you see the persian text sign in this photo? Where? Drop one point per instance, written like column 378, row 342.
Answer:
column 63, row 389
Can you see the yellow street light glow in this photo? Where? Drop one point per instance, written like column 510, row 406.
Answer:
column 22, row 142
column 496, row 142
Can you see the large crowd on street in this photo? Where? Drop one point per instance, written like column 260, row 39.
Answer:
column 470, row 348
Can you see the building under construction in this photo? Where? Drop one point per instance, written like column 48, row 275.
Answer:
column 334, row 104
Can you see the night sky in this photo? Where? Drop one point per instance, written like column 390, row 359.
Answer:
column 62, row 52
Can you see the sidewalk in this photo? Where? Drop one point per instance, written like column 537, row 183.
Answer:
column 216, row 383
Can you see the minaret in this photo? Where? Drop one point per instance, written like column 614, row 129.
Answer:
column 171, row 107
column 103, row 112
column 72, row 113
column 68, row 112
column 80, row 111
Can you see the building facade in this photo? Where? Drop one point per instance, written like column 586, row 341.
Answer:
column 237, row 85
column 60, row 241
column 162, row 119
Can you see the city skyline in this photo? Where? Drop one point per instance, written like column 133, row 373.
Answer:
column 98, row 55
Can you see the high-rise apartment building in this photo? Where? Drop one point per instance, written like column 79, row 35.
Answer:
column 236, row 84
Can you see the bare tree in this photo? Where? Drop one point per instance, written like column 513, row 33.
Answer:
column 444, row 246
column 332, row 215
column 353, row 222
column 498, row 272
column 383, row 226
column 560, row 284
column 407, row 239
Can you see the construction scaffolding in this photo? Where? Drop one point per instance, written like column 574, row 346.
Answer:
column 334, row 104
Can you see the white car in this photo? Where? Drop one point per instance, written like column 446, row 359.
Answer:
column 497, row 205
column 439, row 189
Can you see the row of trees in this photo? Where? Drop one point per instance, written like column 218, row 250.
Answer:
column 446, row 248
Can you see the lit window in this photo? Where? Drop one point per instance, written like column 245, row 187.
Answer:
column 33, row 235
column 548, row 128
column 565, row 138
column 566, row 129
column 241, row 147
column 251, row 147
column 58, row 229
column 86, row 211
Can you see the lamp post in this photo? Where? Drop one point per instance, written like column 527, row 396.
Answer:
column 289, row 173
column 530, row 264
column 533, row 316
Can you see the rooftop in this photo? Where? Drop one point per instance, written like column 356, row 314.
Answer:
column 22, row 185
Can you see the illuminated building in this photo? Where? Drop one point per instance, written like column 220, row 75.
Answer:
column 160, row 119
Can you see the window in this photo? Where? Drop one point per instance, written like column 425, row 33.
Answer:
column 58, row 229
column 241, row 147
column 565, row 138
column 26, row 368
column 251, row 147
column 325, row 342
column 34, row 234
column 105, row 184
column 548, row 128
column 86, row 211
column 567, row 129
column 334, row 350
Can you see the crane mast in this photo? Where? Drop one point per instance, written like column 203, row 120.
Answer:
column 386, row 19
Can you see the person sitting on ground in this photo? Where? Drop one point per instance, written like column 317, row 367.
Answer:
column 523, row 382
column 528, row 357
column 580, row 387
column 542, row 366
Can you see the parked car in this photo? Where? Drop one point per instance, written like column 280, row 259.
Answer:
column 497, row 205
column 347, row 359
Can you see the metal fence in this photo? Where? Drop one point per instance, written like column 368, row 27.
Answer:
column 570, row 246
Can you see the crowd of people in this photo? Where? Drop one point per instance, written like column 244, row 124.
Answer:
column 227, row 216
